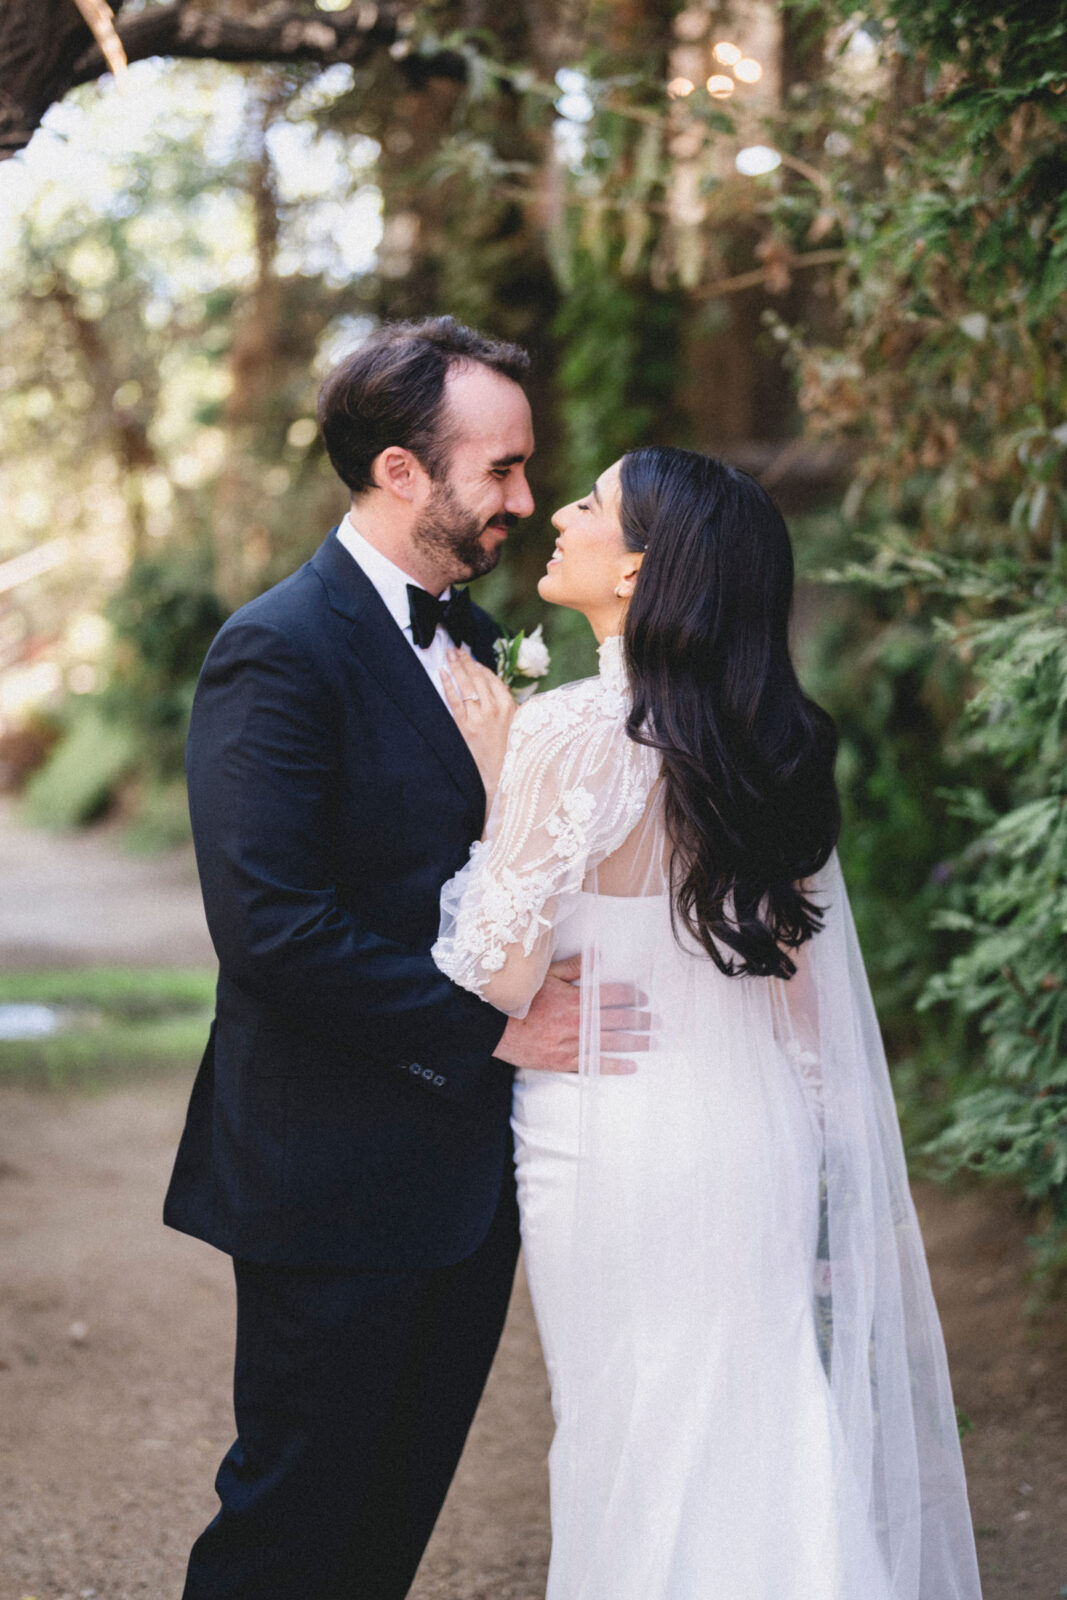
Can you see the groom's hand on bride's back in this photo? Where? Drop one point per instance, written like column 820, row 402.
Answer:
column 547, row 1038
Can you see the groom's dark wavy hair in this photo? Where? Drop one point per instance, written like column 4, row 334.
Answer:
column 391, row 391
column 748, row 760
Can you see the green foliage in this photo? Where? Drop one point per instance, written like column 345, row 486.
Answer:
column 949, row 366
column 97, row 1056
column 160, row 324
column 960, row 889
column 119, row 1022
column 868, row 654
column 1011, row 972
column 132, row 992
column 890, row 685
column 1003, row 55
column 77, row 782
column 160, row 819
column 618, row 376
column 165, row 617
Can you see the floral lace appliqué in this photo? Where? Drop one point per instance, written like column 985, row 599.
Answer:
column 568, row 826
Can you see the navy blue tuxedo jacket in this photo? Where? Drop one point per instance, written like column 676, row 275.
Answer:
column 347, row 1111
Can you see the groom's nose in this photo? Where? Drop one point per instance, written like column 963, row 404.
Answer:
column 519, row 501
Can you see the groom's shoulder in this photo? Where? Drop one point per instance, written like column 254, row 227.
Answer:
column 286, row 603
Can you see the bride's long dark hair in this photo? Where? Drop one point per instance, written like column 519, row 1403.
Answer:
column 751, row 807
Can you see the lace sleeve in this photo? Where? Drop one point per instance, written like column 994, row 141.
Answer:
column 573, row 786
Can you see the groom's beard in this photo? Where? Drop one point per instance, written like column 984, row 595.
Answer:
column 452, row 534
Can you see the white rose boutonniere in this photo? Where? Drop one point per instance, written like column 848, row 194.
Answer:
column 522, row 657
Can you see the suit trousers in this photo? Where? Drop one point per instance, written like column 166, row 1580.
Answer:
column 353, row 1394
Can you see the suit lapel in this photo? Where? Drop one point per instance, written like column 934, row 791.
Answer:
column 389, row 658
column 486, row 632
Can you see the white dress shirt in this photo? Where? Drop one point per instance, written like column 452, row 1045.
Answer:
column 391, row 583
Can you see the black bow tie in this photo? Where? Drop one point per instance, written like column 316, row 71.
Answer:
column 454, row 614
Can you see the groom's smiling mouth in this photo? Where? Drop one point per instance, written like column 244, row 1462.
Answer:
column 501, row 524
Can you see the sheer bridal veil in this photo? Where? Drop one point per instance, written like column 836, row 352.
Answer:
column 758, row 1182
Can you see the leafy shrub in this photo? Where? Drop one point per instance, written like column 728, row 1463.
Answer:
column 25, row 748
column 77, row 782
column 1011, row 972
column 948, row 365
column 115, row 1023
column 164, row 617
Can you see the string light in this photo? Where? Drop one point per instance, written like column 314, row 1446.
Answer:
column 726, row 54
column 719, row 86
column 678, row 88
column 747, row 70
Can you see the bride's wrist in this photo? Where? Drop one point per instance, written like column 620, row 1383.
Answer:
column 490, row 776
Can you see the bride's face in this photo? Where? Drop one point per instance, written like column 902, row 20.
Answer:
column 591, row 569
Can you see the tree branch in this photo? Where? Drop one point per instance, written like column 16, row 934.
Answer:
column 760, row 275
column 188, row 31
column 101, row 19
column 46, row 48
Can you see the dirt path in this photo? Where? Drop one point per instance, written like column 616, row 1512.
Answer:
column 114, row 1380
column 78, row 899
column 115, row 1342
column 115, row 1335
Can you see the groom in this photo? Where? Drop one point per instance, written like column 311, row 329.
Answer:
column 347, row 1139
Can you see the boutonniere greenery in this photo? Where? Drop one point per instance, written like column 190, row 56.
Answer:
column 521, row 657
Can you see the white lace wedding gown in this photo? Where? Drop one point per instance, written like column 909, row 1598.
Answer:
column 747, row 1372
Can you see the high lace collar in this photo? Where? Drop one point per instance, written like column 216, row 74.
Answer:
column 613, row 663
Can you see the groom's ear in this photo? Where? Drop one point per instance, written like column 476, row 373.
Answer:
column 397, row 471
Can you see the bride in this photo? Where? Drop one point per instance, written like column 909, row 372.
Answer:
column 747, row 1372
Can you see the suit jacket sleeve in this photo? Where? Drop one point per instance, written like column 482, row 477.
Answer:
column 262, row 772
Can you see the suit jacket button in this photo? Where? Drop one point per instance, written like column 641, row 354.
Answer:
column 438, row 1081
column 414, row 1067
column 427, row 1072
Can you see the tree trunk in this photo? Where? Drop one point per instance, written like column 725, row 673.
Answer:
column 240, row 541
column 266, row 515
column 125, row 429
column 472, row 251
